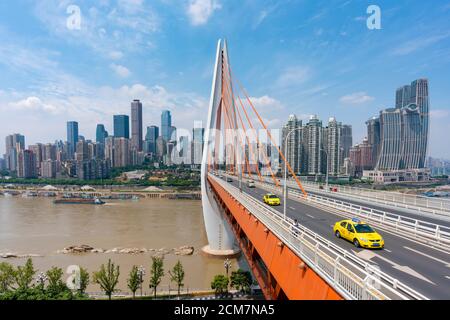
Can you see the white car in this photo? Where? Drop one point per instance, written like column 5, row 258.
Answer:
column 251, row 184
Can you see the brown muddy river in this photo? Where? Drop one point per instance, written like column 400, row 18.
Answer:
column 37, row 226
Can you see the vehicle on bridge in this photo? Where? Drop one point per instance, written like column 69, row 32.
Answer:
column 358, row 232
column 271, row 199
column 229, row 179
column 251, row 184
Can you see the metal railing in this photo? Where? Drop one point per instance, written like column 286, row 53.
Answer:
column 391, row 198
column 430, row 233
column 349, row 275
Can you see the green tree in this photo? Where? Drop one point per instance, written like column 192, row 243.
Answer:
column 177, row 275
column 241, row 280
column 84, row 281
column 24, row 275
column 134, row 280
column 156, row 273
column 220, row 284
column 7, row 276
column 107, row 278
column 56, row 288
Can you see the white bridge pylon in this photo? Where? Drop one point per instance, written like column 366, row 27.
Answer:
column 220, row 237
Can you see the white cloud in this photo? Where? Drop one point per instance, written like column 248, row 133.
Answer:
column 120, row 70
column 199, row 11
column 266, row 102
column 33, row 104
column 419, row 43
column 439, row 113
column 356, row 98
column 116, row 55
column 294, row 76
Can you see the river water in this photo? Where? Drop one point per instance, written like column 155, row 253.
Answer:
column 37, row 226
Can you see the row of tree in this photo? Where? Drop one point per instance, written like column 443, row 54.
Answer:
column 25, row 283
column 239, row 280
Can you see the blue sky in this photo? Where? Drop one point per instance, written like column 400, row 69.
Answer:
column 302, row 57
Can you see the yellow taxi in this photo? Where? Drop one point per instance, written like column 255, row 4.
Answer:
column 271, row 199
column 358, row 232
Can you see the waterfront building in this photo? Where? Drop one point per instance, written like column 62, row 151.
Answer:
column 48, row 169
column 121, row 126
column 14, row 143
column 136, row 125
column 121, row 152
column 82, row 151
column 26, row 164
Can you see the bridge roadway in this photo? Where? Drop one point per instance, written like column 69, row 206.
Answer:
column 419, row 266
column 399, row 211
column 440, row 219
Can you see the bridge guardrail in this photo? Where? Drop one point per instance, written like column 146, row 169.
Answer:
column 396, row 199
column 351, row 276
column 431, row 233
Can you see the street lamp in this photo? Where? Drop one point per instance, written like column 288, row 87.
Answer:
column 326, row 177
column 285, row 171
column 227, row 265
column 141, row 273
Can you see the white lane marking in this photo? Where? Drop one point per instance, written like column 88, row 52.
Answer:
column 447, row 277
column 369, row 255
column 292, row 208
column 447, row 264
column 365, row 254
column 310, row 216
column 387, row 250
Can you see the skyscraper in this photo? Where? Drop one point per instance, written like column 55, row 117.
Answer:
column 101, row 134
column 419, row 97
column 166, row 125
column 136, row 125
column 121, row 126
column 402, row 96
column 150, row 139
column 72, row 137
column 346, row 141
column 404, row 130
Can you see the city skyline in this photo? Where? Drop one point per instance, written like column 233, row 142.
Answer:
column 303, row 68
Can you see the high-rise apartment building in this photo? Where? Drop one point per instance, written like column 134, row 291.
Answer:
column 314, row 142
column 332, row 145
column 136, row 125
column 293, row 145
column 26, row 166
